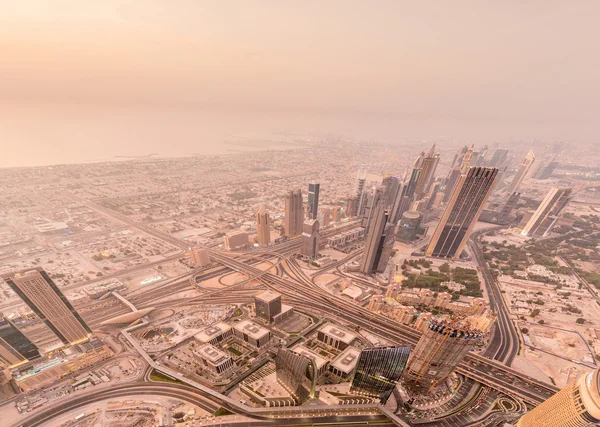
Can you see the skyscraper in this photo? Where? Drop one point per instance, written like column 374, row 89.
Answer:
column 309, row 245
column 40, row 293
column 430, row 163
column 15, row 347
column 294, row 215
column 360, row 186
column 296, row 373
column 379, row 242
column 576, row 405
column 543, row 219
column 378, row 370
column 372, row 199
column 457, row 171
column 498, row 158
column 439, row 351
column 407, row 194
column 263, row 226
column 522, row 172
column 313, row 200
column 468, row 198
column 547, row 171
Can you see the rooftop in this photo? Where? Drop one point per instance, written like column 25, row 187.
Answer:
column 212, row 332
column 210, row 353
column 267, row 296
column 338, row 333
column 347, row 359
column 251, row 329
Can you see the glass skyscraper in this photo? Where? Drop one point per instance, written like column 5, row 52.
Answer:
column 15, row 347
column 378, row 370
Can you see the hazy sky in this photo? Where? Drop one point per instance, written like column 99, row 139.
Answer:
column 523, row 65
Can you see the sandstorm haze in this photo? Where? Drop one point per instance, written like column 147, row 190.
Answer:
column 82, row 80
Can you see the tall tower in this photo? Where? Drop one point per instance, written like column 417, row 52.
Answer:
column 430, row 163
column 498, row 158
column 294, row 215
column 263, row 226
column 439, row 351
column 379, row 242
column 360, row 186
column 522, row 172
column 457, row 171
column 15, row 348
column 378, row 370
column 456, row 224
column 313, row 200
column 576, row 405
column 547, row 212
column 40, row 293
column 372, row 199
column 407, row 195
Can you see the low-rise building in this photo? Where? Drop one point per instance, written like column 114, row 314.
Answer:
column 343, row 366
column 214, row 359
column 236, row 239
column 252, row 333
column 321, row 363
column 215, row 333
column 335, row 336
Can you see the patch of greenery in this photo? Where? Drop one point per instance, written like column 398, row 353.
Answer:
column 163, row 378
column 222, row 411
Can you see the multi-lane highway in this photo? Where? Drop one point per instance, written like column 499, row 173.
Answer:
column 304, row 294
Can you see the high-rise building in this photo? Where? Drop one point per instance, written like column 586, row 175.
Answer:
column 547, row 171
column 373, row 197
column 409, row 226
column 456, row 172
column 378, row 370
column 294, row 215
column 267, row 305
column 313, row 200
column 297, row 373
column 40, row 293
column 200, row 257
column 576, row 405
column 360, row 186
column 498, row 158
column 407, row 194
column 263, row 226
column 379, row 242
column 459, row 156
column 456, row 224
column 510, row 205
column 309, row 245
column 545, row 216
column 430, row 163
column 441, row 348
column 15, row 347
column 522, row 172
column 392, row 188
column 349, row 210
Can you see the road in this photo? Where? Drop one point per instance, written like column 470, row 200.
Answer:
column 504, row 344
column 304, row 294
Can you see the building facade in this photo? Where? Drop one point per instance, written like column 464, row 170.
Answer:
column 15, row 348
column 522, row 172
column 236, row 239
column 294, row 214
column 263, row 226
column 430, row 163
column 267, row 305
column 456, row 224
column 297, row 374
column 313, row 200
column 441, row 348
column 576, row 405
column 378, row 370
column 200, row 257
column 42, row 295
column 545, row 216
column 309, row 245
column 379, row 242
